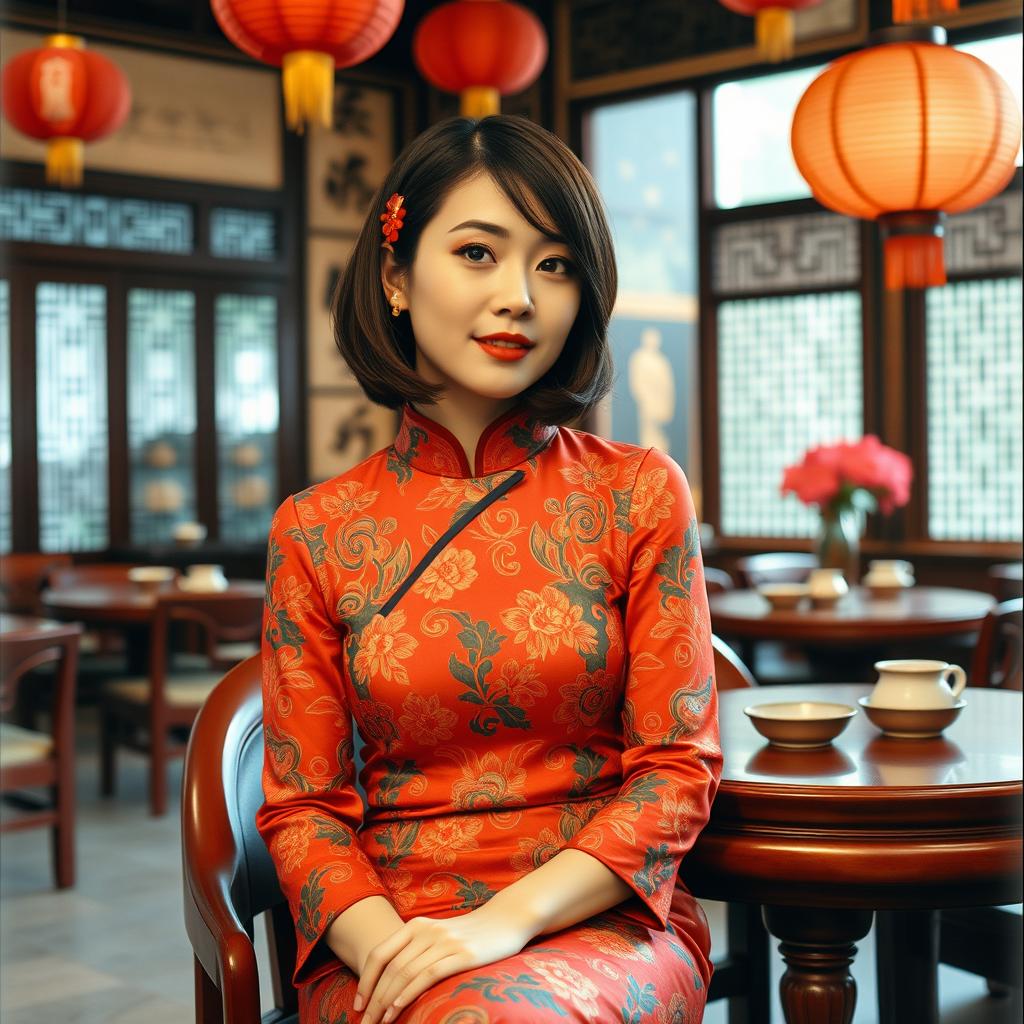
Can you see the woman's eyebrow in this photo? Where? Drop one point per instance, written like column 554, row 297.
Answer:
column 481, row 225
column 498, row 230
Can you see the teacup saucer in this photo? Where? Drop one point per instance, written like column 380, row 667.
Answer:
column 912, row 723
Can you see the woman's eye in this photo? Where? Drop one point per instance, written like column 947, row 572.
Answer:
column 474, row 253
column 555, row 265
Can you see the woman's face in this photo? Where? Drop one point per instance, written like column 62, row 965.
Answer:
column 482, row 270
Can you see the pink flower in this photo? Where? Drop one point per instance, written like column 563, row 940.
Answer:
column 827, row 470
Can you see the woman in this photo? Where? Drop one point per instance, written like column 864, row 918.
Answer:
column 514, row 614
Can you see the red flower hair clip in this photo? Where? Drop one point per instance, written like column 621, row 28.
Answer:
column 394, row 218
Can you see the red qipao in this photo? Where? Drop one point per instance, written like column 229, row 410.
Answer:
column 525, row 648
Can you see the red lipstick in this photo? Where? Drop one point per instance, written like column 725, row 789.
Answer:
column 518, row 345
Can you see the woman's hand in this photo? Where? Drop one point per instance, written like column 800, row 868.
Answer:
column 426, row 949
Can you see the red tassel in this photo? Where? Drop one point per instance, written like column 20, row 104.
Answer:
column 914, row 261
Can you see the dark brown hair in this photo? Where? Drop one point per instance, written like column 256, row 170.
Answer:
column 550, row 187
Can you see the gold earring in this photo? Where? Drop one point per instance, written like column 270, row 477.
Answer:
column 395, row 308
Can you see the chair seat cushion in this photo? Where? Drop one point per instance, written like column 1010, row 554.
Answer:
column 182, row 690
column 22, row 746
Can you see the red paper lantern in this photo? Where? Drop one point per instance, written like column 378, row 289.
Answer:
column 902, row 133
column 308, row 39
column 482, row 49
column 66, row 95
column 773, row 24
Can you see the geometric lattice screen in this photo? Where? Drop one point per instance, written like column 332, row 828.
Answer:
column 243, row 234
column 789, row 377
column 71, row 398
column 245, row 347
column 161, row 411
column 974, row 410
column 101, row 222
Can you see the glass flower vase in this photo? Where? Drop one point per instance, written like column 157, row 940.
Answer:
column 838, row 544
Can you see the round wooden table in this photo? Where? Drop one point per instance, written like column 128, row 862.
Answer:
column 129, row 606
column 823, row 838
column 856, row 619
column 120, row 604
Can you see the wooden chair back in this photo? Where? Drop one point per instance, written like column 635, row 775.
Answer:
column 775, row 567
column 1005, row 581
column 998, row 659
column 717, row 581
column 730, row 672
column 22, row 577
column 23, row 648
column 229, row 876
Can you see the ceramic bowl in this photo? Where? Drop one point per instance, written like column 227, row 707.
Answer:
column 783, row 595
column 912, row 723
column 151, row 575
column 884, row 589
column 800, row 724
column 203, row 579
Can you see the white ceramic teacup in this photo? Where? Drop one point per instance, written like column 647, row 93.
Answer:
column 917, row 683
column 205, row 577
column 826, row 585
column 189, row 533
column 889, row 572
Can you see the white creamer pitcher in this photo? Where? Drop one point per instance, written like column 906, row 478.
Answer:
column 917, row 683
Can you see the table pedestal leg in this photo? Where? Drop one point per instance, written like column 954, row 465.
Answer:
column 818, row 948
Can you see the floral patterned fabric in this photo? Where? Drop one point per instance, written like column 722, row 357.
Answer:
column 525, row 648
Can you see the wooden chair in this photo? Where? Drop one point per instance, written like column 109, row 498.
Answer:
column 775, row 567
column 1005, row 581
column 230, row 878
column 990, row 940
column 987, row 941
column 998, row 660
column 743, row 974
column 717, row 581
column 771, row 662
column 22, row 578
column 146, row 713
column 29, row 758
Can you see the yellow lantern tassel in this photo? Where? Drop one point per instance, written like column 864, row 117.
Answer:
column 914, row 261
column 308, row 82
column 480, row 101
column 914, row 10
column 773, row 28
column 64, row 161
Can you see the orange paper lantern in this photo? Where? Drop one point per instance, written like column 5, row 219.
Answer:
column 913, row 10
column 902, row 133
column 482, row 49
column 773, row 24
column 68, row 96
column 308, row 39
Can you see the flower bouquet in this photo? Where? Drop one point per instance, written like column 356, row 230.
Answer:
column 844, row 481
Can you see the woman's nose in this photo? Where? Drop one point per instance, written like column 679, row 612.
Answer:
column 514, row 297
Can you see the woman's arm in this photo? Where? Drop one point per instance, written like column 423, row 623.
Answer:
column 354, row 932
column 570, row 887
column 312, row 811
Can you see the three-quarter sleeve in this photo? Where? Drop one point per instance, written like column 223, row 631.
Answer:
column 312, row 810
column 671, row 759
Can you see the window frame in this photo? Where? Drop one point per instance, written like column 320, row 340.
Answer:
column 118, row 270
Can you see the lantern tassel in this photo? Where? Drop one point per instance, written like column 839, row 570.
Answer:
column 914, row 261
column 914, row 10
column 64, row 161
column 773, row 29
column 308, row 82
column 480, row 101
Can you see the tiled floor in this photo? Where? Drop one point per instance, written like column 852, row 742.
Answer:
column 114, row 950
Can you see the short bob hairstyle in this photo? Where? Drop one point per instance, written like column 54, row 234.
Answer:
column 551, row 188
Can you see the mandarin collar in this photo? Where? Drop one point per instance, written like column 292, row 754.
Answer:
column 515, row 436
